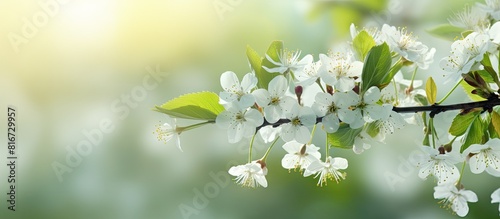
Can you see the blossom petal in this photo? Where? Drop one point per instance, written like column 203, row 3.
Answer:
column 292, row 147
column 372, row 95
column 495, row 196
column 224, row 119
column 177, row 140
column 302, row 134
column 443, row 191
column 262, row 97
column 236, row 170
column 287, row 132
column 290, row 161
column 314, row 167
column 235, row 132
column 268, row 133
column 254, row 117
column 373, row 112
column 469, row 196
column 273, row 113
column 339, row 163
column 344, row 84
column 331, row 123
column 460, row 206
column 261, row 179
column 278, row 86
column 477, row 163
column 249, row 81
column 229, row 82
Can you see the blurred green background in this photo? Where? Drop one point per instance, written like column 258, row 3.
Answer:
column 70, row 74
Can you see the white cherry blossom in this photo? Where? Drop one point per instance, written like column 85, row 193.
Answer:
column 393, row 122
column 328, row 170
column 492, row 7
column 355, row 110
column 454, row 198
column 274, row 99
column 471, row 18
column 485, row 157
column 234, row 91
column 325, row 107
column 406, row 45
column 299, row 155
column 251, row 174
column 300, row 118
column 340, row 70
column 309, row 75
column 465, row 55
column 241, row 121
column 288, row 61
column 168, row 131
column 441, row 166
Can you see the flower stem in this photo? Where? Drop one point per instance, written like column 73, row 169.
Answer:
column 395, row 91
column 250, row 148
column 187, row 128
column 431, row 129
column 449, row 92
column 327, row 149
column 312, row 133
column 269, row 150
column 413, row 77
column 320, row 86
column 461, row 174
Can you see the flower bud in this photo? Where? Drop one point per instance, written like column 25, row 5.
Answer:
column 329, row 89
column 442, row 150
column 356, row 89
column 298, row 91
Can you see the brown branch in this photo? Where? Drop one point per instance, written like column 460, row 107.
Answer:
column 486, row 105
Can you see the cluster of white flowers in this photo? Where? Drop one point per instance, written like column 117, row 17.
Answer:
column 441, row 164
column 328, row 94
column 333, row 84
column 481, row 25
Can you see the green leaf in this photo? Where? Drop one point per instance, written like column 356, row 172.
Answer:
column 462, row 122
column 254, row 59
column 377, row 65
column 201, row 106
column 495, row 122
column 264, row 76
column 486, row 60
column 468, row 90
column 475, row 135
column 421, row 99
column 431, row 90
column 492, row 131
column 487, row 77
column 362, row 44
column 344, row 137
column 392, row 71
column 447, row 31
column 373, row 129
column 489, row 74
